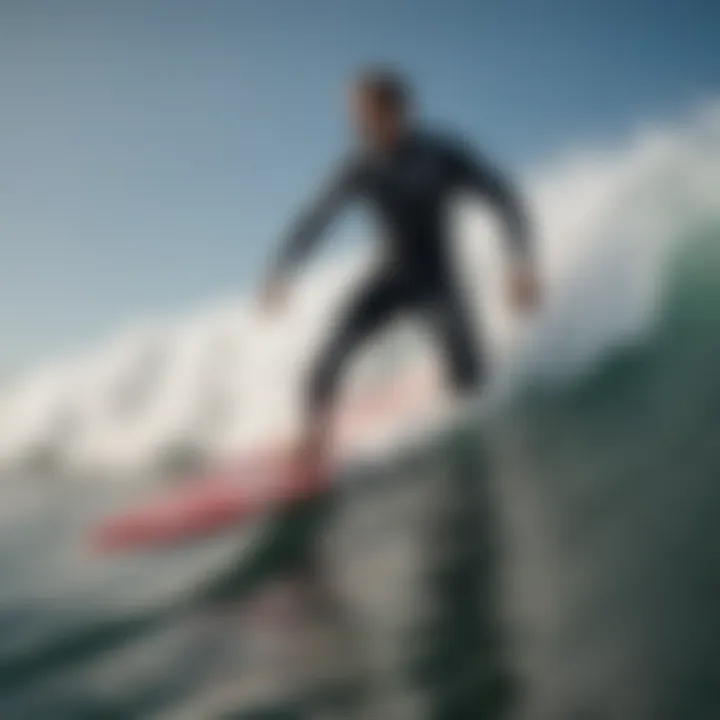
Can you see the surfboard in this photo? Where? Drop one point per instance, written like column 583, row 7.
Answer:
column 264, row 481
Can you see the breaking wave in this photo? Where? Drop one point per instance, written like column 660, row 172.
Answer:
column 208, row 385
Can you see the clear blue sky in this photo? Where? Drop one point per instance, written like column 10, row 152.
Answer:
column 152, row 150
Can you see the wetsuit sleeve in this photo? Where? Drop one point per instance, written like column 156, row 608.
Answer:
column 311, row 223
column 474, row 173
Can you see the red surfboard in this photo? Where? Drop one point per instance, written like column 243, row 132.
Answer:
column 264, row 481
column 210, row 504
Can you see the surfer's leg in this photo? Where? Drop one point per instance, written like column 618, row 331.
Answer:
column 376, row 303
column 460, row 345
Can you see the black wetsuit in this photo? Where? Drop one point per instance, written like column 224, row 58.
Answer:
column 409, row 189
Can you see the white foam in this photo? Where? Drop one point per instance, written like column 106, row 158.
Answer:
column 227, row 377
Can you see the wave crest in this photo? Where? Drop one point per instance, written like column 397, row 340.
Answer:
column 175, row 395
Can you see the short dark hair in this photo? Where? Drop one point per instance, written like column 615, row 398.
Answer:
column 386, row 86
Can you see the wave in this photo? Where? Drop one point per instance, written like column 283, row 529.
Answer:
column 166, row 394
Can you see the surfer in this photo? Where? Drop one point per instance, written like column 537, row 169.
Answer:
column 407, row 175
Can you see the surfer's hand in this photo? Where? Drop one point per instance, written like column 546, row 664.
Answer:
column 273, row 295
column 524, row 287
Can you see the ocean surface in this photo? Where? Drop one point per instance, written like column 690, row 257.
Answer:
column 555, row 558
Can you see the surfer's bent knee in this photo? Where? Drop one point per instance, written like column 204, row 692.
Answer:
column 320, row 391
column 467, row 375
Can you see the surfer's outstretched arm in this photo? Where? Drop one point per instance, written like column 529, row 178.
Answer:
column 310, row 225
column 476, row 174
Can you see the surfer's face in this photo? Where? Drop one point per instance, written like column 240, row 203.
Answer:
column 378, row 125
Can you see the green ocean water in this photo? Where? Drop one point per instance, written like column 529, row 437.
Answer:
column 559, row 560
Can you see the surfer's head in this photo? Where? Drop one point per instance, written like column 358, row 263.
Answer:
column 380, row 107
